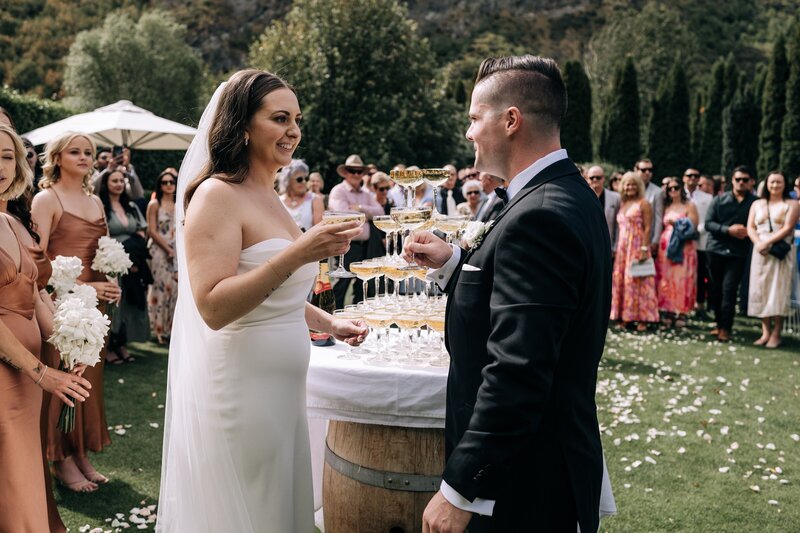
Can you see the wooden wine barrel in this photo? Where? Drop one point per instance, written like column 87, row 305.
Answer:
column 378, row 479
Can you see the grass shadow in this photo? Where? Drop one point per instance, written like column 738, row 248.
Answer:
column 103, row 503
column 633, row 367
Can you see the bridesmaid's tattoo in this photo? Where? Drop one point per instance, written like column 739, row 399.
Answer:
column 7, row 361
column 37, row 369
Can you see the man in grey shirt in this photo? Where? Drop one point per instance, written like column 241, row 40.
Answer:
column 655, row 196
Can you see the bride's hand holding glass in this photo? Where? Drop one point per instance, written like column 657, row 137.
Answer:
column 326, row 240
column 352, row 332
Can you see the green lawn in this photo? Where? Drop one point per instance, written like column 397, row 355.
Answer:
column 691, row 429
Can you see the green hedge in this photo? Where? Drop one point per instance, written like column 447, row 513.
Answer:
column 30, row 112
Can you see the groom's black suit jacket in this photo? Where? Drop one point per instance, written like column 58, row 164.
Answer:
column 525, row 334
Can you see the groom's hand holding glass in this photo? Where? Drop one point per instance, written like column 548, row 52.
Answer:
column 427, row 249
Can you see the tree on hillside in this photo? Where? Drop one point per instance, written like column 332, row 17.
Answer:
column 773, row 109
column 668, row 139
column 145, row 61
column 741, row 121
column 790, row 132
column 710, row 147
column 576, row 129
column 695, row 125
column 369, row 91
column 620, row 140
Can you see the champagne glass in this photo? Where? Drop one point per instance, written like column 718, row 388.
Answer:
column 386, row 224
column 435, row 177
column 409, row 180
column 393, row 272
column 337, row 217
column 379, row 321
column 365, row 271
column 349, row 314
column 410, row 219
column 450, row 225
column 435, row 321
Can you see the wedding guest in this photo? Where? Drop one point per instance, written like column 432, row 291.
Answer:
column 423, row 196
column 305, row 207
column 610, row 200
column 350, row 195
column 397, row 193
column 28, row 503
column 450, row 193
column 771, row 221
column 382, row 185
column 701, row 200
column 6, row 120
column 371, row 169
column 472, row 192
column 163, row 292
column 467, row 174
column 676, row 263
column 728, row 248
column 129, row 321
column 101, row 162
column 69, row 220
column 316, row 185
column 706, row 184
column 633, row 299
column 720, row 184
column 655, row 196
column 614, row 181
column 492, row 204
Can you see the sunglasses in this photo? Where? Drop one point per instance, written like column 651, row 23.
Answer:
column 692, row 175
column 646, row 169
column 614, row 180
column 382, row 189
column 301, row 179
column 357, row 171
column 167, row 182
column 473, row 192
column 673, row 188
column 741, row 180
column 596, row 178
column 30, row 155
column 470, row 176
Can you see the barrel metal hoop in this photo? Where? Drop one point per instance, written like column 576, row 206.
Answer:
column 380, row 478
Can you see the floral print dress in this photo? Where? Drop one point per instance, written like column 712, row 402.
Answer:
column 632, row 299
column 163, row 292
column 677, row 282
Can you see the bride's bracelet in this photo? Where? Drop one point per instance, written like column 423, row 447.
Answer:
column 42, row 376
column 280, row 277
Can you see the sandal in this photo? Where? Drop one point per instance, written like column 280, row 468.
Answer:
column 115, row 360
column 90, row 473
column 641, row 327
column 125, row 355
column 75, row 485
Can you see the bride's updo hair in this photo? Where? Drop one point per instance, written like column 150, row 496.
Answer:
column 240, row 100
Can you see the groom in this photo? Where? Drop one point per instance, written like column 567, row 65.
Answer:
column 526, row 322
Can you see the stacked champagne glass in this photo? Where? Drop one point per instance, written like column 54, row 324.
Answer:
column 407, row 323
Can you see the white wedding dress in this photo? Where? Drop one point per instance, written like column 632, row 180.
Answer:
column 236, row 450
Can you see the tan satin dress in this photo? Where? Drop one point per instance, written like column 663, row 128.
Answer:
column 23, row 505
column 76, row 236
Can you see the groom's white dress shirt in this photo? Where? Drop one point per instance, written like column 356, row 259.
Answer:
column 442, row 276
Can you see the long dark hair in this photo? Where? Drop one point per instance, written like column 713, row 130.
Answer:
column 667, row 197
column 159, row 191
column 124, row 199
column 787, row 189
column 20, row 208
column 239, row 101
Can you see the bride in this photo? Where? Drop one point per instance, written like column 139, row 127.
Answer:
column 236, row 452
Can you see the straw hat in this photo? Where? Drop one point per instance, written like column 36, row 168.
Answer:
column 352, row 161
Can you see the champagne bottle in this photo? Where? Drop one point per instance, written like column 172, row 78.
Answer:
column 322, row 297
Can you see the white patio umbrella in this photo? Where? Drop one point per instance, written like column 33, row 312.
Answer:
column 120, row 124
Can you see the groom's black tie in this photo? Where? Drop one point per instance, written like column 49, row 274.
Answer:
column 502, row 193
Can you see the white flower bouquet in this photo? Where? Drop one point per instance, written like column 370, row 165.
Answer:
column 85, row 293
column 65, row 274
column 79, row 332
column 111, row 258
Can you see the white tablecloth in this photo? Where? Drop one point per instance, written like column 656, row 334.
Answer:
column 354, row 391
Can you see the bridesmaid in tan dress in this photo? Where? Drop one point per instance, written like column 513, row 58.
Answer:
column 70, row 220
column 27, row 504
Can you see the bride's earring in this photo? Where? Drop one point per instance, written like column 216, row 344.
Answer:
column 246, row 140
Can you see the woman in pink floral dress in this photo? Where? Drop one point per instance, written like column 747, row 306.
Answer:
column 163, row 292
column 633, row 299
column 676, row 282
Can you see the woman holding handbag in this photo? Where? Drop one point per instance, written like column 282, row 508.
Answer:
column 633, row 283
column 770, row 226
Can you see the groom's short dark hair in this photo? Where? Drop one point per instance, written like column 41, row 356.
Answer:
column 531, row 83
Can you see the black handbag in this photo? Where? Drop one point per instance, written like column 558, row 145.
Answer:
column 778, row 249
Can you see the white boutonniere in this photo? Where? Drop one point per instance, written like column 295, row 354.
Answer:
column 474, row 234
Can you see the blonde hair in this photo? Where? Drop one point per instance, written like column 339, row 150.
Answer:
column 51, row 171
column 23, row 175
column 635, row 178
column 380, row 177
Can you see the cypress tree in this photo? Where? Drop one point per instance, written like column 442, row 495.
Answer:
column 576, row 129
column 710, row 150
column 773, row 109
column 620, row 142
column 695, row 126
column 790, row 133
column 740, row 123
column 668, row 128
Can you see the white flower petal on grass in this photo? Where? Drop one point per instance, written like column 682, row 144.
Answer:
column 755, row 488
column 772, row 502
column 795, row 437
column 724, row 469
column 153, row 424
